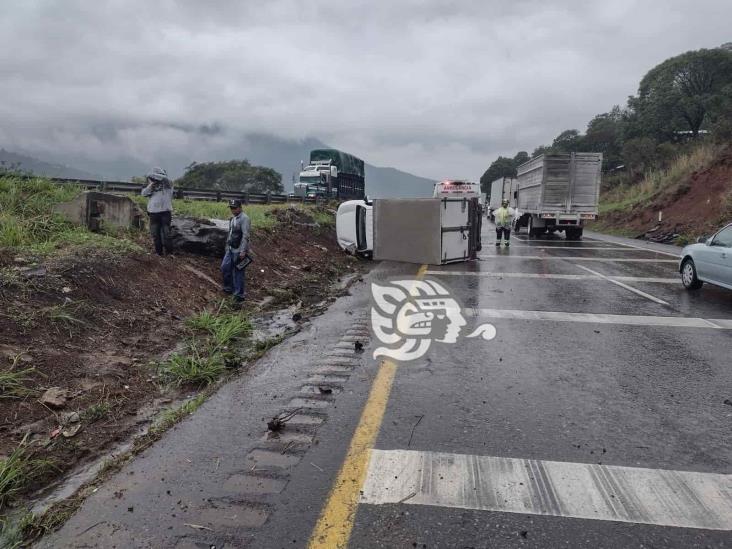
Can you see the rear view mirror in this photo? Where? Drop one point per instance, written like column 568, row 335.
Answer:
column 701, row 240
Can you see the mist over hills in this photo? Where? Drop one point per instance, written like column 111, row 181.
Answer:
column 22, row 163
column 263, row 150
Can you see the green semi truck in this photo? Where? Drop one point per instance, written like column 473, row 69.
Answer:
column 332, row 174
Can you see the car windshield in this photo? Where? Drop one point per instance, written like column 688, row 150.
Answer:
column 314, row 179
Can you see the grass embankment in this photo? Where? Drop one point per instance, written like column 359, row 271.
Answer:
column 28, row 222
column 658, row 185
column 260, row 215
column 693, row 194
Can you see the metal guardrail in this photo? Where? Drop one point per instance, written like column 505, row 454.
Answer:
column 193, row 194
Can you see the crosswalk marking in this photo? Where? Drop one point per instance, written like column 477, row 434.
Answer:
column 580, row 490
column 600, row 318
column 493, row 274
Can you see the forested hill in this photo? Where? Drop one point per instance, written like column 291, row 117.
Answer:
column 683, row 101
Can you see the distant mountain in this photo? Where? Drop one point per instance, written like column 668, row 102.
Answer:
column 27, row 164
column 282, row 155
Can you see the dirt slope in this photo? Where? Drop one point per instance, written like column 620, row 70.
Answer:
column 89, row 324
column 697, row 206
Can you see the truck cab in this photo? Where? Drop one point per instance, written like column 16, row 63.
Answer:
column 355, row 227
column 315, row 179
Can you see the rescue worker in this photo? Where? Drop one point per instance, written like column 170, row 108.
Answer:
column 237, row 245
column 159, row 208
column 503, row 217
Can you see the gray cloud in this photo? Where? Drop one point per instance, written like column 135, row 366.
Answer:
column 433, row 87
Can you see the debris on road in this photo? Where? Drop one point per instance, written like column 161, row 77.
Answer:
column 728, row 402
column 278, row 422
column 325, row 390
column 358, row 347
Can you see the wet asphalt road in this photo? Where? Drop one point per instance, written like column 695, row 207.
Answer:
column 574, row 389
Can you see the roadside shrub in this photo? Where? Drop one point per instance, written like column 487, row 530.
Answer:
column 195, row 367
column 222, row 327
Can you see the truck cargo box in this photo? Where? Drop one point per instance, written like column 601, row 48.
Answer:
column 560, row 183
column 426, row 230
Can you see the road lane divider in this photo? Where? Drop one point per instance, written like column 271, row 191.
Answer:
column 335, row 523
column 503, row 257
column 623, row 285
column 661, row 497
column 492, row 274
column 598, row 318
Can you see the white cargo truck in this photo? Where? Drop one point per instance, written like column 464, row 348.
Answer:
column 501, row 189
column 434, row 231
column 557, row 192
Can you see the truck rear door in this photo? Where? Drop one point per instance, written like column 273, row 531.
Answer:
column 586, row 172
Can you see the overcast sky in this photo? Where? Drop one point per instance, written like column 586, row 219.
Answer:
column 436, row 88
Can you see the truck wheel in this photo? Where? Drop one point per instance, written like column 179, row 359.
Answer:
column 688, row 275
column 571, row 233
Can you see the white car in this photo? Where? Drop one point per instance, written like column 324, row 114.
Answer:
column 709, row 260
column 355, row 227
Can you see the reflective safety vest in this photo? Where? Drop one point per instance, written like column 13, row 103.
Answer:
column 502, row 216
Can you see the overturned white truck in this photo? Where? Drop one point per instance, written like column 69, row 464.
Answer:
column 433, row 231
column 557, row 192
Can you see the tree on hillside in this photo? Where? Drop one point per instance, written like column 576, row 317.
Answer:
column 501, row 167
column 567, row 141
column 604, row 134
column 234, row 175
column 520, row 158
column 680, row 94
column 541, row 149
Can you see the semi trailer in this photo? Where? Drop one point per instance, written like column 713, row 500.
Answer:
column 557, row 192
column 331, row 173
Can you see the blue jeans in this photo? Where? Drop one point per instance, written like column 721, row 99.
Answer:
column 234, row 281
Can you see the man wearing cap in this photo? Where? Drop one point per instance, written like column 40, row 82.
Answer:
column 159, row 208
column 237, row 245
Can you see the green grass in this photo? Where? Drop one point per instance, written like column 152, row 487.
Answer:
column 27, row 220
column 13, row 383
column 174, row 415
column 95, row 412
column 16, row 471
column 222, row 327
column 259, row 214
column 195, row 367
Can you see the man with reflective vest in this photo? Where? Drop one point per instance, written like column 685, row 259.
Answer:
column 503, row 217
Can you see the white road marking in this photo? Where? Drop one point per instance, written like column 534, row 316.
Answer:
column 581, row 490
column 491, row 274
column 575, row 258
column 641, row 248
column 598, row 318
column 614, row 248
column 623, row 285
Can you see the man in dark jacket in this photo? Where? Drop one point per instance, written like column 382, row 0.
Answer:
column 237, row 246
column 159, row 208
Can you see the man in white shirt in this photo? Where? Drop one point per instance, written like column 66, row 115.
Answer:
column 159, row 208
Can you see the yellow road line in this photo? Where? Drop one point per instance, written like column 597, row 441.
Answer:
column 335, row 523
